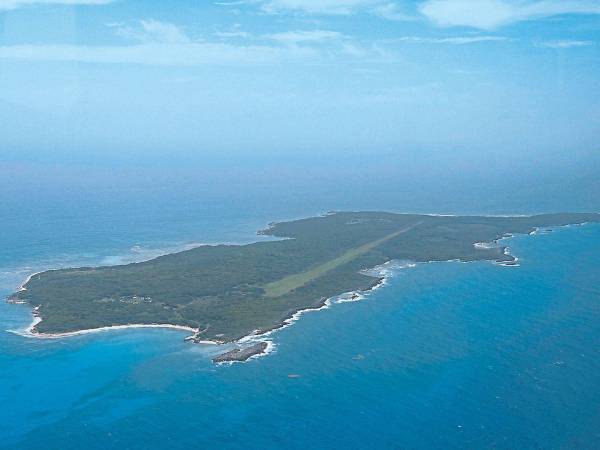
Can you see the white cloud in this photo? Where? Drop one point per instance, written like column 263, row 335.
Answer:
column 340, row 7
column 164, row 32
column 190, row 54
column 459, row 40
column 311, row 36
column 161, row 43
column 178, row 54
column 491, row 14
column 234, row 3
column 232, row 34
column 354, row 50
column 392, row 11
column 388, row 9
column 234, row 31
column 14, row 4
column 148, row 31
column 566, row 44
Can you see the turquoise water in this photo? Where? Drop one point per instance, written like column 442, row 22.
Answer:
column 446, row 355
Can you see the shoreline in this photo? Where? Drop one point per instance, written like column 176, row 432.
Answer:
column 30, row 331
column 22, row 287
column 256, row 337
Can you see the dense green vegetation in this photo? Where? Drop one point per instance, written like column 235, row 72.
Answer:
column 231, row 290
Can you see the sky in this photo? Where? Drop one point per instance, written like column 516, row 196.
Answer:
column 471, row 82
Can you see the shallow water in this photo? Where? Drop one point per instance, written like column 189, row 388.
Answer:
column 445, row 355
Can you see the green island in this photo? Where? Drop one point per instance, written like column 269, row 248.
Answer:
column 226, row 292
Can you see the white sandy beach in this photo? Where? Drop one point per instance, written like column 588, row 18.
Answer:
column 31, row 333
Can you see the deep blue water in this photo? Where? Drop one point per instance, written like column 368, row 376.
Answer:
column 451, row 355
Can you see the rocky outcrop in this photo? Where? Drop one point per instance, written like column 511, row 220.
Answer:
column 241, row 354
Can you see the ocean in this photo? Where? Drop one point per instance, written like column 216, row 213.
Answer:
column 444, row 355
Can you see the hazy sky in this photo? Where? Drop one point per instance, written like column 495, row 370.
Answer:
column 294, row 78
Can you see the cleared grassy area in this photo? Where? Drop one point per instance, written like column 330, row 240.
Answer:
column 291, row 282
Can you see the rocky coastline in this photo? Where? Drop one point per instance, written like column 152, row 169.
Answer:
column 242, row 354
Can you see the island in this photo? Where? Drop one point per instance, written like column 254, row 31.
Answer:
column 222, row 293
